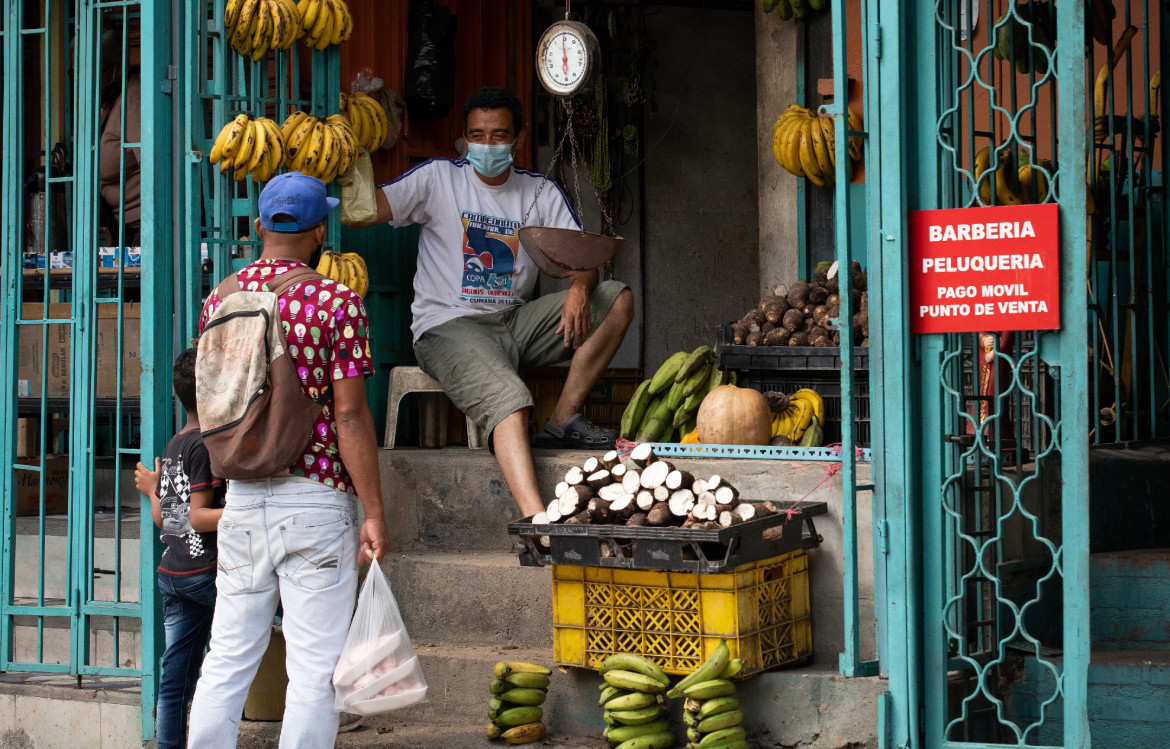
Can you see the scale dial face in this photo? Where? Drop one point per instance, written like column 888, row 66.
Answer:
column 566, row 58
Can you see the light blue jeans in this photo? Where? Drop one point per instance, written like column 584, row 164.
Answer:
column 283, row 541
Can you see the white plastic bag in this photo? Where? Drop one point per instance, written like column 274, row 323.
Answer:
column 358, row 203
column 378, row 670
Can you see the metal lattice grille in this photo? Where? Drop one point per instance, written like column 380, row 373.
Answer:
column 1001, row 551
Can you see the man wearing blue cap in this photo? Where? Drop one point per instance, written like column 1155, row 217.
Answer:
column 474, row 325
column 290, row 539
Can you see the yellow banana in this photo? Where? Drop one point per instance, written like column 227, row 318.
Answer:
column 275, row 143
column 808, row 161
column 830, row 139
column 296, row 142
column 325, row 23
column 262, row 39
column 290, row 124
column 248, row 143
column 231, row 13
column 792, row 148
column 325, row 265
column 243, row 24
column 229, row 139
column 261, row 147
column 815, row 400
column 824, row 163
column 855, row 125
column 525, row 734
column 310, row 16
column 338, row 21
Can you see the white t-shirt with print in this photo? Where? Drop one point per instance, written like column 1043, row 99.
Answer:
column 470, row 261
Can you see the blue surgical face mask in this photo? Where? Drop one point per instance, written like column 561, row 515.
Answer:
column 490, row 160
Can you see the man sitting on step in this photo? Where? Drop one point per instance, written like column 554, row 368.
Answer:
column 474, row 328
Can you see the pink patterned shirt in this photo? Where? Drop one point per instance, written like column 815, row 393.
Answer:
column 327, row 330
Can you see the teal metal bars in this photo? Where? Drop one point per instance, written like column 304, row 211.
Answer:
column 851, row 663
column 77, row 592
column 987, row 441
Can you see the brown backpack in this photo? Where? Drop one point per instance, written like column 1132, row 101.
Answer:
column 255, row 417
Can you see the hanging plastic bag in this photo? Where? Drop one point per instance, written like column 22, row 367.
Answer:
column 430, row 71
column 358, row 202
column 378, row 670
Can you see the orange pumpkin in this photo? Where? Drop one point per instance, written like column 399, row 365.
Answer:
column 730, row 415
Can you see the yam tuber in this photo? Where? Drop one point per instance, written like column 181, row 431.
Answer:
column 793, row 320
column 774, row 313
column 754, row 317
column 755, row 338
column 798, row 294
column 799, row 338
column 739, row 333
column 778, row 337
column 817, row 294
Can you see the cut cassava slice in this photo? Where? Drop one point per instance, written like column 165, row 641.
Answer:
column 699, row 486
column 575, row 476
column 624, row 506
column 726, row 495
column 745, row 511
column 660, row 515
column 727, row 518
column 610, row 459
column 679, row 479
column 618, row 472
column 706, row 498
column 592, row 465
column 714, row 482
column 645, row 500
column 632, row 482
column 561, row 489
column 655, row 474
column 681, row 502
column 540, row 518
column 553, row 511
column 611, row 492
column 598, row 479
column 642, row 455
column 661, row 493
column 574, row 500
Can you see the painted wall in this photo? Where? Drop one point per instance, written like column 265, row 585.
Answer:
column 701, row 244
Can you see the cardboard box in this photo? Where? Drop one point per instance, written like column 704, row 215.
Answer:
column 28, row 436
column 111, row 257
column 28, row 487
column 56, row 358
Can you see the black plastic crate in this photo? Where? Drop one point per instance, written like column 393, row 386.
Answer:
column 787, row 358
column 829, row 387
column 687, row 549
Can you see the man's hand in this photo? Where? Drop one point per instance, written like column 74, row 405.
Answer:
column 146, row 480
column 375, row 540
column 576, row 319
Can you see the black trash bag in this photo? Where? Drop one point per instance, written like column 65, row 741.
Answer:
column 430, row 73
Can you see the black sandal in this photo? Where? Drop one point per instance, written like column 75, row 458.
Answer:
column 578, row 432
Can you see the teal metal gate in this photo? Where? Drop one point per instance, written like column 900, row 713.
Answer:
column 84, row 363
column 981, row 440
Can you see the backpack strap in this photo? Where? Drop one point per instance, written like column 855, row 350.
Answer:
column 288, row 279
column 228, row 286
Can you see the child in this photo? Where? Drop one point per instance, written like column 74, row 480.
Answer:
column 186, row 502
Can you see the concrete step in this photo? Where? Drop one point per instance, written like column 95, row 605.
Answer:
column 1130, row 600
column 480, row 598
column 392, row 732
column 455, row 498
column 821, row 709
column 50, row 712
column 488, row 599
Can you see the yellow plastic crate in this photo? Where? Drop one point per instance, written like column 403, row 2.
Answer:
column 678, row 618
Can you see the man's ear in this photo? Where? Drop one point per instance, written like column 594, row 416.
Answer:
column 321, row 234
column 259, row 229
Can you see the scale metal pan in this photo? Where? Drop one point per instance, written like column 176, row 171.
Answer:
column 560, row 252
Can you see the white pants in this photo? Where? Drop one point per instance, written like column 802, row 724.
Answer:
column 280, row 540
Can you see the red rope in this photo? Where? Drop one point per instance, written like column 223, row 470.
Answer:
column 832, row 470
column 624, row 446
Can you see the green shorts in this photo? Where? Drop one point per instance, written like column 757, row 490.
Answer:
column 478, row 358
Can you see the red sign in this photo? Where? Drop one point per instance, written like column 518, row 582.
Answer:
column 975, row 269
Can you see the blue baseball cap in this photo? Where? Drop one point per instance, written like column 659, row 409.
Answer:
column 297, row 195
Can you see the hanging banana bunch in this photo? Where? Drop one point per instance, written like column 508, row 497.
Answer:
column 346, row 268
column 249, row 146
column 1031, row 184
column 798, row 418
column 325, row 22
column 321, row 148
column 370, row 122
column 253, row 27
column 804, row 143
